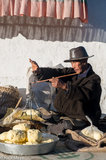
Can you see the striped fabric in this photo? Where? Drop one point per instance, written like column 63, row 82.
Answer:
column 59, row 9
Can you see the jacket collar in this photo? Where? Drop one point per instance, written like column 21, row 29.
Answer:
column 83, row 75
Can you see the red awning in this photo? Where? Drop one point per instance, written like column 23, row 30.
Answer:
column 59, row 9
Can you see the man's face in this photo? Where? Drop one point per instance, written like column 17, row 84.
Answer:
column 78, row 66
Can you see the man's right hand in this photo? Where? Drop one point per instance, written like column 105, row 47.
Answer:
column 57, row 83
column 34, row 65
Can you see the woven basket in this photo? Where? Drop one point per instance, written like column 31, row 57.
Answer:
column 9, row 96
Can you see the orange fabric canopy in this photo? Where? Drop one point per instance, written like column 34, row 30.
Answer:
column 59, row 9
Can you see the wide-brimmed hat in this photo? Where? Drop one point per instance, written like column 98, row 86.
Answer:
column 78, row 53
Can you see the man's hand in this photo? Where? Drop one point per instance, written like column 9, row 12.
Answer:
column 57, row 83
column 34, row 65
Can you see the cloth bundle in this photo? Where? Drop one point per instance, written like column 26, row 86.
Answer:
column 73, row 140
column 20, row 114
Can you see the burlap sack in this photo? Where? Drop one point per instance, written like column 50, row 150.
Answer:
column 77, row 137
column 101, row 147
column 9, row 97
column 77, row 142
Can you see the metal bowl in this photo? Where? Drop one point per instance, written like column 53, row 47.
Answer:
column 37, row 149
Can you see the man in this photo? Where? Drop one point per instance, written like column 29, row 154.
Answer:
column 78, row 95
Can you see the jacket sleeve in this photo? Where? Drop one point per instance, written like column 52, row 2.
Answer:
column 46, row 73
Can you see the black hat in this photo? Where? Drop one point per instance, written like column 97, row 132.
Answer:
column 78, row 53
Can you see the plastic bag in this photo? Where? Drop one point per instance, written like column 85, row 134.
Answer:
column 92, row 131
column 39, row 94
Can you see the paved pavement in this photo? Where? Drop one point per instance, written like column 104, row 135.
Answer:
column 58, row 156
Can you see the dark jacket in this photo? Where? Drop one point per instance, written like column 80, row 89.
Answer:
column 82, row 97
